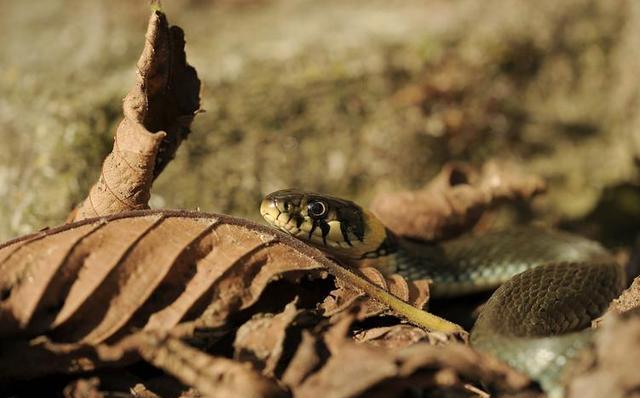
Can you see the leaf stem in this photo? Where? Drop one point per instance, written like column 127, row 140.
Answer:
column 412, row 314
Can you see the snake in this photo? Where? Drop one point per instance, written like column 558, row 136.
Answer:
column 548, row 285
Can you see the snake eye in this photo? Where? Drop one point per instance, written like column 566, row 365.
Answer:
column 316, row 209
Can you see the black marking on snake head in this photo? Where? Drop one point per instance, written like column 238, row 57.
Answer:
column 325, row 228
column 351, row 220
column 289, row 219
column 313, row 228
column 388, row 246
column 299, row 220
column 344, row 228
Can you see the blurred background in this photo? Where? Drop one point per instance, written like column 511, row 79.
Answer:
column 344, row 97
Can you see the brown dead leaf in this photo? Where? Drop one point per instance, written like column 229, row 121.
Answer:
column 396, row 336
column 87, row 281
column 123, row 382
column 83, row 388
column 628, row 300
column 212, row 376
column 453, row 201
column 141, row 391
column 358, row 370
column 327, row 360
column 157, row 114
column 261, row 340
column 93, row 281
column 614, row 370
column 310, row 354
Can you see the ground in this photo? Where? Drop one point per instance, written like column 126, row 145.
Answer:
column 350, row 98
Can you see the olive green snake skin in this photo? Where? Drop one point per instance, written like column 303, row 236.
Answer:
column 550, row 285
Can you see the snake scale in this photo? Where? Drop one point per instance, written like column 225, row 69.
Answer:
column 549, row 284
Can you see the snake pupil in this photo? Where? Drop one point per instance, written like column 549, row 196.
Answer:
column 316, row 209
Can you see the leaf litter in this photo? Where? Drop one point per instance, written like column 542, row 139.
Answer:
column 227, row 307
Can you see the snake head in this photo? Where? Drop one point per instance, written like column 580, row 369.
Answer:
column 336, row 225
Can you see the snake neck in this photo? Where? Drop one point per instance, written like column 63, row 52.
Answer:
column 416, row 261
column 384, row 256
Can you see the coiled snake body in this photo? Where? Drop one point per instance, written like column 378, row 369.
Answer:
column 550, row 285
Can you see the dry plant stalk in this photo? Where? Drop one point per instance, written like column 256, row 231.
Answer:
column 344, row 296
column 157, row 114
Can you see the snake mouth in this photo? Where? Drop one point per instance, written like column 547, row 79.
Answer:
column 274, row 212
column 269, row 210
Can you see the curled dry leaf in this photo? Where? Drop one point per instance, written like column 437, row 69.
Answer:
column 99, row 279
column 613, row 372
column 212, row 376
column 396, row 336
column 157, row 114
column 358, row 370
column 324, row 359
column 309, row 356
column 453, row 201
column 628, row 300
column 83, row 388
column 261, row 340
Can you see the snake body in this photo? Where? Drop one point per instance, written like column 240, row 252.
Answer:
column 550, row 284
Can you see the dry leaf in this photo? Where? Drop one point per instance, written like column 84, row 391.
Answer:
column 214, row 377
column 83, row 388
column 310, row 354
column 358, row 370
column 327, row 361
column 453, row 201
column 157, row 114
column 396, row 336
column 614, row 371
column 89, row 280
column 628, row 300
column 93, row 281
column 261, row 340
